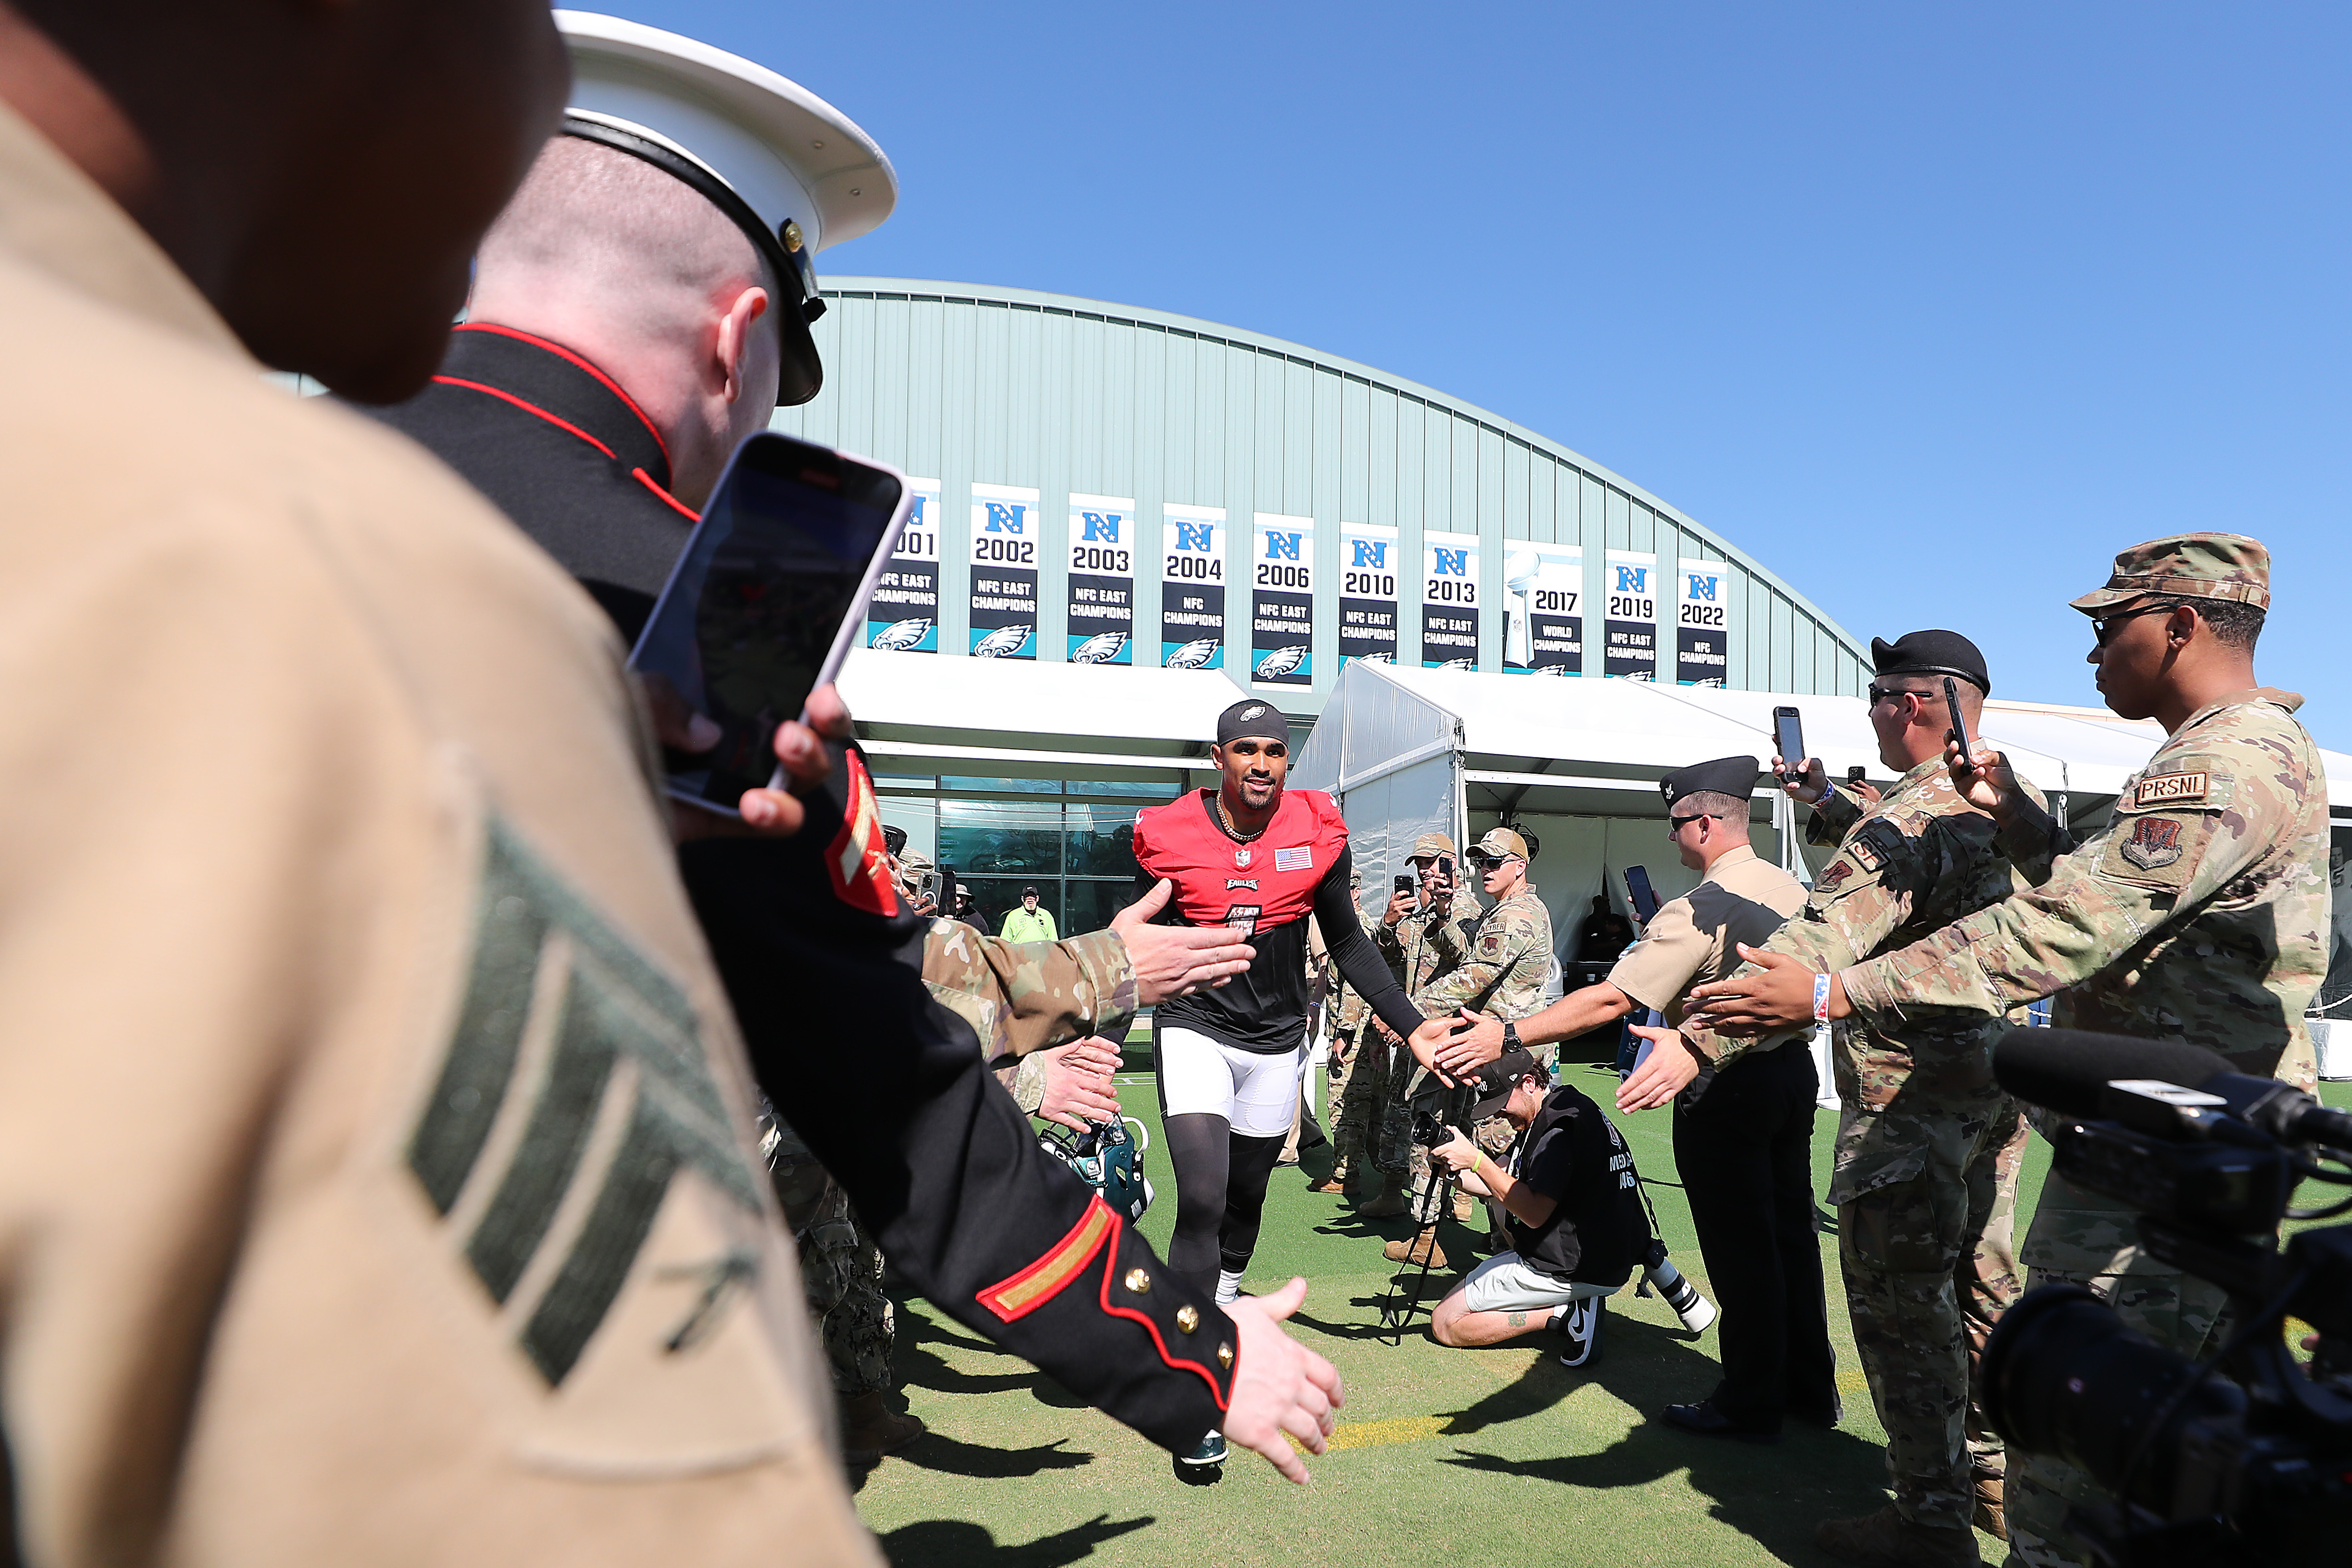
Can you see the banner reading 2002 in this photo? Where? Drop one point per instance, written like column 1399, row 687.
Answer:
column 1282, row 599
column 1192, row 587
column 1003, row 572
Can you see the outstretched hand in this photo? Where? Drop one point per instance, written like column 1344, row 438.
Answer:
column 1473, row 1041
column 1279, row 1385
column 1665, row 1073
column 1775, row 997
column 1173, row 960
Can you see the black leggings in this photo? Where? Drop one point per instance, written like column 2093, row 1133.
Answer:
column 1221, row 1179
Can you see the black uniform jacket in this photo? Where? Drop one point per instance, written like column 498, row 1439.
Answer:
column 941, row 1162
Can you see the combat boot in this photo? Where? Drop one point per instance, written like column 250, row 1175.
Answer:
column 1988, row 1515
column 1388, row 1204
column 871, row 1428
column 1421, row 1248
column 1887, row 1540
column 1336, row 1183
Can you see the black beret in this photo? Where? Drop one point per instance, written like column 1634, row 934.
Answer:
column 1733, row 776
column 1931, row 653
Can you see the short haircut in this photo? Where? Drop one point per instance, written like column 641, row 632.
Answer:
column 1713, row 803
column 2234, row 625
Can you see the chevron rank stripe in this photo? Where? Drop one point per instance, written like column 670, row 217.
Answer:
column 1039, row 1283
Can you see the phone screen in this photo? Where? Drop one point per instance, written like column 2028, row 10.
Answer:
column 754, row 614
column 1789, row 739
column 1639, row 894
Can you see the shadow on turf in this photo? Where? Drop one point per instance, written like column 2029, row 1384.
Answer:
column 951, row 1542
column 937, row 1451
column 1773, row 1496
column 917, row 1361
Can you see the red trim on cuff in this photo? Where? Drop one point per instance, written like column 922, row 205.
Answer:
column 1025, row 1293
column 1110, row 1271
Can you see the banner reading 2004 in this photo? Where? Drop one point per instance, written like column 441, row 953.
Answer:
column 1192, row 587
column 1003, row 572
column 1282, row 599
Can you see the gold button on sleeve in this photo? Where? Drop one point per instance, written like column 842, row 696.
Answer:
column 1187, row 1318
column 1225, row 1357
column 1138, row 1281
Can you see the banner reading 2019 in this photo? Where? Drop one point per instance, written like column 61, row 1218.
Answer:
column 1003, row 572
column 1282, row 599
column 1102, row 580
column 1629, row 577
column 904, row 614
column 1192, row 587
column 1702, row 624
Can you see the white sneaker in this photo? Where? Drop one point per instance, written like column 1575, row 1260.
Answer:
column 1580, row 1324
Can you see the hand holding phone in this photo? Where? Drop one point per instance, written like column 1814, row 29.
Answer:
column 1789, row 739
column 1959, row 730
column 1639, row 894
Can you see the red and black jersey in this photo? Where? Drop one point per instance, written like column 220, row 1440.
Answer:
column 1265, row 887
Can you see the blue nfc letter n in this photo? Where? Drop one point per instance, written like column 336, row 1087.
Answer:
column 1200, row 536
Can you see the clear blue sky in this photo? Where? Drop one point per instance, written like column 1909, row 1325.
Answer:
column 1931, row 309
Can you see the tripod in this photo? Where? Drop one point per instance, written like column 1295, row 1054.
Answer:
column 1430, row 1130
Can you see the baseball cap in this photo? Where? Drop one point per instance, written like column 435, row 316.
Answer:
column 1496, row 1078
column 1429, row 846
column 1499, row 844
column 2227, row 566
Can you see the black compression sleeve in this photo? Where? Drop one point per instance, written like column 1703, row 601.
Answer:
column 1359, row 961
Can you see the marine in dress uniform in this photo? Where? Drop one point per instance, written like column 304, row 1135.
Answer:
column 945, row 1172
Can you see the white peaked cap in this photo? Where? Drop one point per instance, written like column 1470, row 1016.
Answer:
column 785, row 151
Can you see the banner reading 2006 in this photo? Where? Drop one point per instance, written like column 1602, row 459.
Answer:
column 1702, row 624
column 1003, row 572
column 1282, row 599
column 1449, row 601
column 1102, row 580
column 904, row 614
column 1192, row 587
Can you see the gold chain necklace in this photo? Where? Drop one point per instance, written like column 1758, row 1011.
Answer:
column 1226, row 820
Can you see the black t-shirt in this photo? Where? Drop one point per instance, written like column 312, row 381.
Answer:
column 1574, row 1155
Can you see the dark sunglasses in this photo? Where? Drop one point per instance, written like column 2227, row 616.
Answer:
column 1676, row 824
column 1879, row 694
column 2103, row 626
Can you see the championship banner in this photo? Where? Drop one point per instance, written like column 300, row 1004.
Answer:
column 1368, row 593
column 1702, row 624
column 1282, row 599
column 904, row 614
column 1631, row 626
column 1192, row 587
column 1102, row 580
column 1543, row 589
column 1003, row 572
column 1449, row 601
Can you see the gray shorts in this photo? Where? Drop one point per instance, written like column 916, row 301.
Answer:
column 1505, row 1284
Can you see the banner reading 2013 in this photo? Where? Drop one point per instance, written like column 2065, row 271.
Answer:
column 1003, row 572
column 1102, row 580
column 1192, row 587
column 1702, row 624
column 1282, row 599
column 1629, row 577
column 904, row 614
column 1449, row 601
column 1368, row 592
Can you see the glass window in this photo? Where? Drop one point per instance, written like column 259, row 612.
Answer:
column 1092, row 904
column 1101, row 840
column 1002, row 838
column 1152, row 789
column 994, row 897
column 1002, row 786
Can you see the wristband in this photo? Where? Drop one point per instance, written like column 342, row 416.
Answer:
column 1820, row 998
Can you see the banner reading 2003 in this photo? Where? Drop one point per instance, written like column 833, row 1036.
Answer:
column 1102, row 580
column 1003, row 572
column 1282, row 599
column 1192, row 587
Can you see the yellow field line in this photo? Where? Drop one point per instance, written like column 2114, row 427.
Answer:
column 1421, row 1428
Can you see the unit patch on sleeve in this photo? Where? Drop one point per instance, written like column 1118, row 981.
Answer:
column 2170, row 789
column 592, row 1059
column 2154, row 842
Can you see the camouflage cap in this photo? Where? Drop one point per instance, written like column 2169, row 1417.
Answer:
column 2227, row 566
column 1431, row 845
column 1500, row 843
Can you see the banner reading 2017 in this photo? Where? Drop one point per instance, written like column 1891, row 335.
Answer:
column 904, row 614
column 1003, row 572
column 1282, row 599
column 1702, row 624
column 1543, row 628
column 1449, row 601
column 1629, row 577
column 1102, row 580
column 1192, row 587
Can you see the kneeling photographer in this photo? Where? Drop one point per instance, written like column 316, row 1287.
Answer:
column 1573, row 1206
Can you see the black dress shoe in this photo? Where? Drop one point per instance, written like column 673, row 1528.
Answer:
column 1706, row 1421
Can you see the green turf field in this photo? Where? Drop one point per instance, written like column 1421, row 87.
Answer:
column 1441, row 1456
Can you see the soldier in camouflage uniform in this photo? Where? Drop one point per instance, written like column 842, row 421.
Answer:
column 1503, row 974
column 1924, row 1176
column 1348, row 1012
column 1420, row 945
column 2199, row 913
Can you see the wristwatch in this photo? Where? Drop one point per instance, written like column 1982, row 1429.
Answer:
column 1510, row 1036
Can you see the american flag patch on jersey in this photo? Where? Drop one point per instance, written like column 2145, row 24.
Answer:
column 1299, row 859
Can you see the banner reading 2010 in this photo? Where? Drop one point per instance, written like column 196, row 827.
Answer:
column 1192, row 587
column 1368, row 592
column 1282, row 599
column 1003, row 572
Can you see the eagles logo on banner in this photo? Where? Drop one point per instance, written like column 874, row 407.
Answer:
column 904, row 614
column 1449, row 601
column 1282, row 600
column 1703, row 623
column 1630, row 623
column 1102, row 620
column 1003, row 545
column 1543, row 630
column 1192, row 587
column 1368, row 593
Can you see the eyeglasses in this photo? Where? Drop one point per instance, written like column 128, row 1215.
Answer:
column 2103, row 626
column 1676, row 824
column 1879, row 694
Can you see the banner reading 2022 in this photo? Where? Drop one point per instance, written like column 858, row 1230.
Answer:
column 1449, row 601
column 1003, row 572
column 1282, row 599
column 1192, row 587
column 1102, row 580
column 1702, row 624
column 904, row 614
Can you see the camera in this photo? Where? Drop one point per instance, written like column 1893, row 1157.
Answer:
column 1695, row 1309
column 2244, row 1458
column 1430, row 1128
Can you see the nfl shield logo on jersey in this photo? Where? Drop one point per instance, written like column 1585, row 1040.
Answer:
column 1241, row 858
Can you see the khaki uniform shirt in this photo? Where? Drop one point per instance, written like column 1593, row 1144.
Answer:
column 1696, row 938
column 1506, row 968
column 2200, row 913
column 377, row 1182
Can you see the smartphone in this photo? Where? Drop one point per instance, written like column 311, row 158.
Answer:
column 1789, row 739
column 765, row 602
column 1638, row 893
column 1853, row 775
column 1959, row 725
column 1404, row 884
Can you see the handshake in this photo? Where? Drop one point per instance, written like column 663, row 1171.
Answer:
column 1454, row 1048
